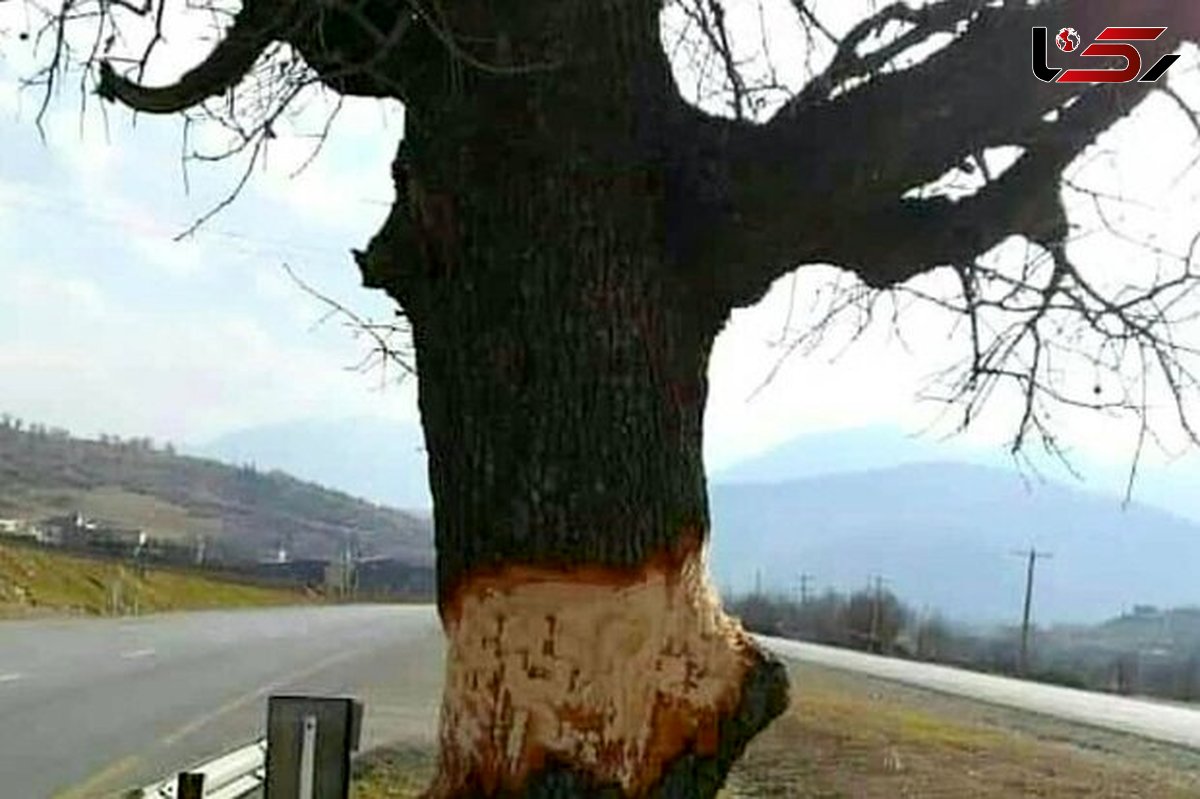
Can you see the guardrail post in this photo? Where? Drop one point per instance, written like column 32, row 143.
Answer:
column 190, row 785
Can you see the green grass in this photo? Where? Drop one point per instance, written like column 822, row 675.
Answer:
column 37, row 581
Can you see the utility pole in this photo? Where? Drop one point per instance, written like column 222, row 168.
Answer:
column 348, row 570
column 1032, row 555
column 804, row 581
column 876, row 613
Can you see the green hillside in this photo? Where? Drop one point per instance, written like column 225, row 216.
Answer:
column 37, row 581
column 239, row 510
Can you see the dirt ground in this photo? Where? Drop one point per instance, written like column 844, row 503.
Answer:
column 852, row 737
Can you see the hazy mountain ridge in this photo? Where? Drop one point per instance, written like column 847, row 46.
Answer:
column 940, row 519
column 378, row 459
column 855, row 450
column 175, row 496
column 945, row 534
column 1175, row 488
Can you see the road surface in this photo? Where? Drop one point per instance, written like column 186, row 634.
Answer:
column 1160, row 721
column 90, row 707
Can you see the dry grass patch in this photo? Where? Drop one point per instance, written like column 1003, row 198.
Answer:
column 393, row 773
column 850, row 737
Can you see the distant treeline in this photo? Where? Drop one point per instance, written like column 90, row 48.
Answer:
column 1149, row 651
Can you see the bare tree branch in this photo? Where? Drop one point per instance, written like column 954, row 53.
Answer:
column 389, row 343
column 254, row 28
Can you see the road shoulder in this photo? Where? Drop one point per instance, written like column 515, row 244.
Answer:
column 848, row 735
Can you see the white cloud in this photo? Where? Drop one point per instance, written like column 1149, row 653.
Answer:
column 26, row 290
column 185, row 378
column 870, row 381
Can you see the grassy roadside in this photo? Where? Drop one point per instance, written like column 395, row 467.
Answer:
column 35, row 582
column 854, row 737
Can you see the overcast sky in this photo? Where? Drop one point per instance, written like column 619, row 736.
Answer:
column 108, row 325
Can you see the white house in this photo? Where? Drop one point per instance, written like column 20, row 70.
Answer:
column 21, row 527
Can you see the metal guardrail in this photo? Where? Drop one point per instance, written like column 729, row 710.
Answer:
column 303, row 763
column 231, row 776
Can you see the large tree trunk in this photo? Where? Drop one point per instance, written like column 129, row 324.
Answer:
column 562, row 391
column 562, row 370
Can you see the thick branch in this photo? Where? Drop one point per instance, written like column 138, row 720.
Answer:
column 254, row 28
column 887, row 246
column 825, row 180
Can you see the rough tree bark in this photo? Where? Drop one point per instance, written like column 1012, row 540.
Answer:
column 562, row 369
column 568, row 237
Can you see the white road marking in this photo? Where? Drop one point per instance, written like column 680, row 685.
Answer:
column 137, row 653
column 10, row 677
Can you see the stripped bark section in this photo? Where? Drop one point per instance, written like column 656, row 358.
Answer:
column 618, row 674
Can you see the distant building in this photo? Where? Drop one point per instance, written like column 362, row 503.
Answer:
column 389, row 577
column 23, row 528
column 310, row 572
column 76, row 531
column 68, row 530
column 114, row 539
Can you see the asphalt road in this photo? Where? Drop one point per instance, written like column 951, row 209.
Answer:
column 91, row 707
column 1160, row 721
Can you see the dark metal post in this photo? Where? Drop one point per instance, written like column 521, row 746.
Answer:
column 1023, row 663
column 189, row 785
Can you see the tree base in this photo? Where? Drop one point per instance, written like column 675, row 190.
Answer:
column 591, row 683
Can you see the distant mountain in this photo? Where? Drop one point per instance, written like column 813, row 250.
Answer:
column 944, row 535
column 379, row 459
column 241, row 511
column 384, row 460
column 853, row 450
column 1175, row 488
column 938, row 519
